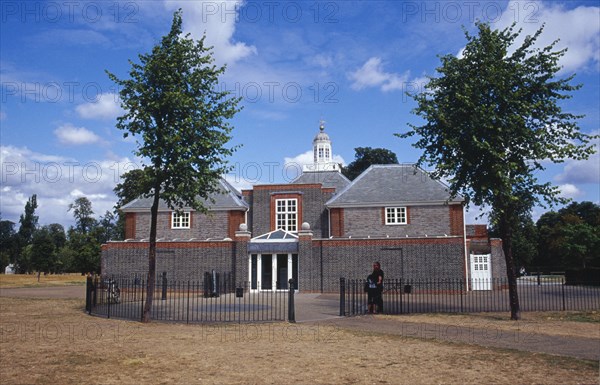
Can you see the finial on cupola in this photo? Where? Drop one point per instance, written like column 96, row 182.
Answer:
column 322, row 125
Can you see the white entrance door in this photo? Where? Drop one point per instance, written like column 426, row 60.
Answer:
column 481, row 272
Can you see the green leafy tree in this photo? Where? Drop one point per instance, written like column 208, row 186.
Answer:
column 588, row 212
column 133, row 185
column 9, row 244
column 82, row 252
column 108, row 228
column 580, row 246
column 174, row 109
column 549, row 240
column 28, row 225
column 66, row 259
column 525, row 245
column 25, row 265
column 57, row 233
column 59, row 240
column 82, row 211
column 492, row 120
column 43, row 251
column 365, row 157
column 570, row 238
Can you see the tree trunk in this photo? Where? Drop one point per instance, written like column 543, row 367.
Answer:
column 506, row 235
column 146, row 317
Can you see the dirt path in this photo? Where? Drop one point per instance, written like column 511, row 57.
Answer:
column 490, row 336
column 67, row 292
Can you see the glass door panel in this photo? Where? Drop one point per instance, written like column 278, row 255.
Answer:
column 266, row 282
column 282, row 271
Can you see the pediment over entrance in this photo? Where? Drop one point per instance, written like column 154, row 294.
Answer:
column 278, row 241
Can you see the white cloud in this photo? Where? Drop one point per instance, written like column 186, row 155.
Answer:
column 581, row 171
column 300, row 160
column 71, row 135
column 305, row 159
column 218, row 21
column 321, row 60
column 578, row 29
column 106, row 107
column 57, row 181
column 569, row 190
column 239, row 182
column 17, row 155
column 372, row 74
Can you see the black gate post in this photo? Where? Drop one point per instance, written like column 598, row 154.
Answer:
column 88, row 294
column 401, row 290
column 291, row 309
column 106, row 286
column 463, row 285
column 95, row 291
column 342, row 297
column 562, row 286
column 143, row 288
column 164, row 286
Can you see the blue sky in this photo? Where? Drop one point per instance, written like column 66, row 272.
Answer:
column 293, row 62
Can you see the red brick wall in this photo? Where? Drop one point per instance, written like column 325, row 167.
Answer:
column 129, row 225
column 457, row 223
column 337, row 222
column 236, row 218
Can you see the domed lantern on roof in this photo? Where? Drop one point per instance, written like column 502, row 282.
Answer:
column 322, row 154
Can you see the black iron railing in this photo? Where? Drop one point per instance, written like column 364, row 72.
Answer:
column 403, row 296
column 190, row 301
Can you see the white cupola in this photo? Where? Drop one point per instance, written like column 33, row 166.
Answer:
column 322, row 154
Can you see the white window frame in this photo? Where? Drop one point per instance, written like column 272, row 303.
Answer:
column 399, row 216
column 181, row 220
column 288, row 216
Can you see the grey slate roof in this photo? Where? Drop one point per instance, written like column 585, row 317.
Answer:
column 392, row 184
column 327, row 178
column 230, row 199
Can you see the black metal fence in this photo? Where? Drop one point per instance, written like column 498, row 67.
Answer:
column 213, row 299
column 469, row 296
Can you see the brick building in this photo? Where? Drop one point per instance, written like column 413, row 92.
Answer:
column 316, row 229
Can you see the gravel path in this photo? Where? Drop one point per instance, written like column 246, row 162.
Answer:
column 577, row 347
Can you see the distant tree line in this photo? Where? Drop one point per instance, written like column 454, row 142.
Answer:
column 51, row 249
column 567, row 239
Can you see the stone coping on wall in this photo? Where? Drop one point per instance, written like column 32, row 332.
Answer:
column 195, row 243
column 167, row 244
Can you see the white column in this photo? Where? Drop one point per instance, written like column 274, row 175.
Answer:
column 274, row 272
column 290, row 268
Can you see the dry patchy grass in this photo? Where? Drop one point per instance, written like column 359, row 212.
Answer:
column 53, row 341
column 31, row 280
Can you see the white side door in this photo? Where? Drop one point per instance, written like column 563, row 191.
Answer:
column 481, row 272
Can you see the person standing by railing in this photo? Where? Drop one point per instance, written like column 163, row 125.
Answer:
column 375, row 289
